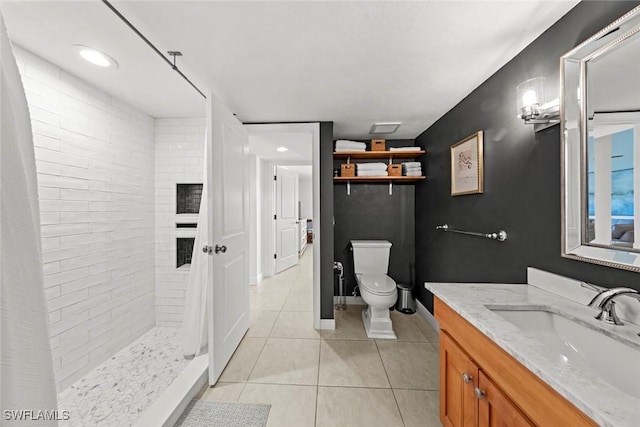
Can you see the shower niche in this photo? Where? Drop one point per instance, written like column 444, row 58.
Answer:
column 188, row 198
column 184, row 250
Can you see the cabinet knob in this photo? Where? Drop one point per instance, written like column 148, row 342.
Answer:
column 480, row 394
column 466, row 378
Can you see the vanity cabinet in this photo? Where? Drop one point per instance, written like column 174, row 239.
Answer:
column 458, row 403
column 482, row 385
column 495, row 408
column 470, row 398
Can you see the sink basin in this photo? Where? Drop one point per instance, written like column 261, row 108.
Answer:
column 617, row 363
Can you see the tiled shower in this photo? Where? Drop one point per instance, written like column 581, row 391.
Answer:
column 107, row 180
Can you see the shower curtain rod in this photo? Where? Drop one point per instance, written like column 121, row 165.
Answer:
column 146, row 40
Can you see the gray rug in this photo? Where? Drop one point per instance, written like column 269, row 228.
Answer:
column 201, row 413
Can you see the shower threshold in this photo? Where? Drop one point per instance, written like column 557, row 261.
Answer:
column 149, row 381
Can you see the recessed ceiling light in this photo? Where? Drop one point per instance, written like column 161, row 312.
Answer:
column 282, row 149
column 389, row 127
column 96, row 57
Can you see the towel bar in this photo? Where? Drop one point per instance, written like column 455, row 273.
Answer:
column 500, row 236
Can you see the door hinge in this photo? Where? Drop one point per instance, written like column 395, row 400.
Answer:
column 275, row 256
column 275, row 217
column 275, row 177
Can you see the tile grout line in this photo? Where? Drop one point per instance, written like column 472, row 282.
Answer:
column 395, row 399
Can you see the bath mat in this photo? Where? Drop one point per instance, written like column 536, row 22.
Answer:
column 224, row 414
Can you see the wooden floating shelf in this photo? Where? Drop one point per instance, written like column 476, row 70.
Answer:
column 377, row 178
column 378, row 154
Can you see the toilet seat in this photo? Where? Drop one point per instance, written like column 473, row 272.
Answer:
column 376, row 284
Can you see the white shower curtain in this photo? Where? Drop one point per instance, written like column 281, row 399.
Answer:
column 26, row 366
column 194, row 324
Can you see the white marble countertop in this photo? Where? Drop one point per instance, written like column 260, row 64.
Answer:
column 585, row 389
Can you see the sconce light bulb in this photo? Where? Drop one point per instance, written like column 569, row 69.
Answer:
column 529, row 98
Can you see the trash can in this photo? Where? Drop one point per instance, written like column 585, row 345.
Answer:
column 405, row 304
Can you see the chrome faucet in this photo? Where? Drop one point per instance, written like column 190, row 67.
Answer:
column 605, row 302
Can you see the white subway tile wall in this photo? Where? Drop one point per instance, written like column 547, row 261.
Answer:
column 179, row 157
column 95, row 164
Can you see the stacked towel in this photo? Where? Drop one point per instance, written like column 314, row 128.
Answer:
column 372, row 173
column 412, row 165
column 404, row 149
column 412, row 169
column 371, row 169
column 371, row 166
column 343, row 145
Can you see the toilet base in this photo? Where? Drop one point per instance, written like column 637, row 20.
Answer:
column 377, row 323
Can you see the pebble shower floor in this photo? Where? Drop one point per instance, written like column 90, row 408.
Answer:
column 118, row 391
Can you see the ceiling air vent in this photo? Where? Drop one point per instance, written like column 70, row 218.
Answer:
column 389, row 127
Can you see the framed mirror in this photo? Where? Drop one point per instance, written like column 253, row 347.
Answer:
column 600, row 123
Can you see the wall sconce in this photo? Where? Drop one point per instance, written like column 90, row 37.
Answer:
column 531, row 106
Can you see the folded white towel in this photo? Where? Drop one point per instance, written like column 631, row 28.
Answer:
column 411, row 164
column 348, row 141
column 372, row 173
column 371, row 166
column 404, row 149
column 413, row 173
column 346, row 150
column 413, row 169
column 343, row 143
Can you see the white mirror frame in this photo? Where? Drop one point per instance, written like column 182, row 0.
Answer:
column 574, row 141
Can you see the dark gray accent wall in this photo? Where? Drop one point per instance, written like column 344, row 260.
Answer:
column 326, row 220
column 522, row 175
column 370, row 213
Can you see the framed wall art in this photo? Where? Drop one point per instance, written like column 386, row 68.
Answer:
column 467, row 166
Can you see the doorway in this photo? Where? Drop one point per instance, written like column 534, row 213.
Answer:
column 303, row 140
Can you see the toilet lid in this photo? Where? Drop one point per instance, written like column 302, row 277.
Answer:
column 377, row 284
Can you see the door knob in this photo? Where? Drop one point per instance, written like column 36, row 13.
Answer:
column 207, row 249
column 466, row 378
column 222, row 249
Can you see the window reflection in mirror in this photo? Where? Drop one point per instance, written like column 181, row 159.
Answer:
column 610, row 199
column 612, row 158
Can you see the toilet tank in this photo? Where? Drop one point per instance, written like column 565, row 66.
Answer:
column 371, row 256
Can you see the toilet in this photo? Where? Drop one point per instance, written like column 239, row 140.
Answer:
column 370, row 263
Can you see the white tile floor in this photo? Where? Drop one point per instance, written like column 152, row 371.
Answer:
column 329, row 378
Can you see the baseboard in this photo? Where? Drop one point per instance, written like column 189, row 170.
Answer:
column 328, row 324
column 426, row 314
column 351, row 300
column 257, row 279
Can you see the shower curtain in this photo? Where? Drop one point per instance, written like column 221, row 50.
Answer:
column 27, row 385
column 194, row 324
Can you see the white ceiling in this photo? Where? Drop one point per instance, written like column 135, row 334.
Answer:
column 353, row 63
column 299, row 146
column 305, row 171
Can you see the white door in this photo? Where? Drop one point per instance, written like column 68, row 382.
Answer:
column 286, row 219
column 227, row 176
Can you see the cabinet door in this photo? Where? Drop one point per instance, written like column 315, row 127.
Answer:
column 458, row 374
column 494, row 407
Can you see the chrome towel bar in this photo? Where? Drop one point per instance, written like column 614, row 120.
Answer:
column 500, row 236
